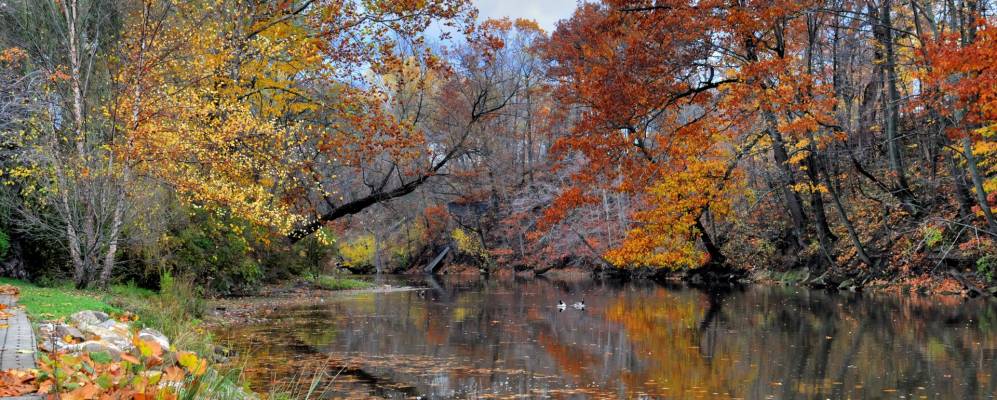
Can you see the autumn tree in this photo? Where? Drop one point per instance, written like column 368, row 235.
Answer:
column 677, row 98
column 68, row 179
column 964, row 71
column 302, row 117
column 646, row 127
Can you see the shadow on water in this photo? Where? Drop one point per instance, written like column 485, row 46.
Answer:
column 468, row 338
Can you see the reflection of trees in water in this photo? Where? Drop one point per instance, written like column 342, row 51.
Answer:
column 505, row 327
column 798, row 344
column 676, row 331
column 476, row 337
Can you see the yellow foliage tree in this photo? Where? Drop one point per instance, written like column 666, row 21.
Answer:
column 358, row 252
column 274, row 111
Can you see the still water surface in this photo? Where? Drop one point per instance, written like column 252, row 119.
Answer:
column 507, row 339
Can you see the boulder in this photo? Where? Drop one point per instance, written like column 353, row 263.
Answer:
column 50, row 346
column 152, row 335
column 50, row 337
column 112, row 324
column 112, row 332
column 46, row 330
column 65, row 330
column 88, row 317
column 95, row 346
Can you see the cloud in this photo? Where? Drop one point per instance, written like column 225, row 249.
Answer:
column 545, row 12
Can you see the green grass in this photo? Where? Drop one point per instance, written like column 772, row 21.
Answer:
column 57, row 302
column 332, row 283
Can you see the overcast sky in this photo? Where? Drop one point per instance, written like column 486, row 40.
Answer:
column 545, row 12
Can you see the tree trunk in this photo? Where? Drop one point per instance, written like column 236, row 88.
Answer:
column 824, row 234
column 961, row 189
column 13, row 266
column 76, row 256
column 716, row 256
column 786, row 181
column 852, row 234
column 891, row 105
column 981, row 193
column 112, row 247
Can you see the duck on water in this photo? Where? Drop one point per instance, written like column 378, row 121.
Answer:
column 579, row 305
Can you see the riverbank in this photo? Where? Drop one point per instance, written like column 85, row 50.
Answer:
column 301, row 291
column 943, row 280
column 960, row 282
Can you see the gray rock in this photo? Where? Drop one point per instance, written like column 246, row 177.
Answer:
column 110, row 324
column 46, row 331
column 95, row 346
column 46, row 327
column 50, row 346
column 88, row 317
column 153, row 335
column 113, row 332
column 66, row 330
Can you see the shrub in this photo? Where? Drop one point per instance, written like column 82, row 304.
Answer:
column 306, row 257
column 359, row 252
column 469, row 244
column 176, row 310
column 985, row 267
column 215, row 251
column 152, row 373
column 932, row 236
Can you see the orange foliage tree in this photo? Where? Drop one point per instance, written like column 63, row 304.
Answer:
column 644, row 125
column 672, row 97
column 965, row 70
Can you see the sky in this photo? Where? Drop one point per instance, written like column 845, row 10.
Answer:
column 545, row 12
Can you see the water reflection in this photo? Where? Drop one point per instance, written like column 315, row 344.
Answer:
column 477, row 339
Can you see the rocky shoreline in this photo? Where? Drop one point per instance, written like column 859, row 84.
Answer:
column 95, row 331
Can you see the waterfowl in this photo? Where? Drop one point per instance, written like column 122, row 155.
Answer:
column 561, row 305
column 579, row 305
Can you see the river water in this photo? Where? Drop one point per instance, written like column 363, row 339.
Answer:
column 473, row 338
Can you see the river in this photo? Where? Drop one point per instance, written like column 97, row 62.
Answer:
column 473, row 338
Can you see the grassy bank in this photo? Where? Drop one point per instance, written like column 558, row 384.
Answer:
column 43, row 303
column 175, row 311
